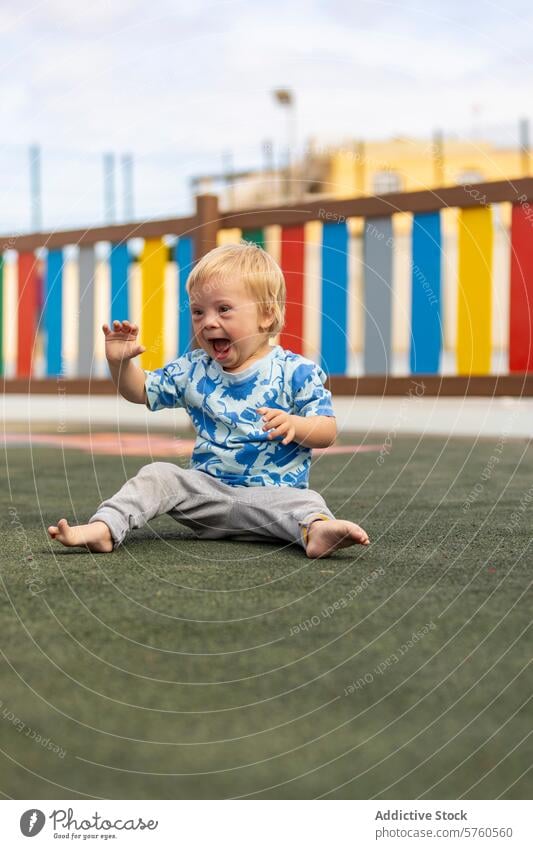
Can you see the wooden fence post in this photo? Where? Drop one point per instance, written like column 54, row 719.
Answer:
column 208, row 218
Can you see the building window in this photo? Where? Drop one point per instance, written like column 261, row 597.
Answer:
column 471, row 175
column 384, row 182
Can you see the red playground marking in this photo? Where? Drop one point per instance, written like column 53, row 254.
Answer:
column 140, row 444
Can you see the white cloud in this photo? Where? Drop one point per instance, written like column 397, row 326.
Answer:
column 193, row 81
column 96, row 69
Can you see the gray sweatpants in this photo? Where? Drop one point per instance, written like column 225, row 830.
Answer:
column 209, row 507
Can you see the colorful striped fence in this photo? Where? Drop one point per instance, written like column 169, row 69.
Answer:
column 369, row 293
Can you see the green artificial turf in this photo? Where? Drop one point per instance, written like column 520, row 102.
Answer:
column 177, row 668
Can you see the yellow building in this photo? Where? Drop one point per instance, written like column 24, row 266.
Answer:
column 370, row 168
column 406, row 164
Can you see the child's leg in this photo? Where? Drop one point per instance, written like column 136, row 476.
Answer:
column 297, row 515
column 213, row 510
column 191, row 497
column 323, row 538
column 96, row 536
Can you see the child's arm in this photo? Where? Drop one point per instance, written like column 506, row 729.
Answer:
column 311, row 431
column 121, row 346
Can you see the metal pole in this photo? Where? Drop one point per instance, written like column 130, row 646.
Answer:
column 288, row 184
column 438, row 158
column 35, row 188
column 127, row 187
column 360, row 167
column 524, row 146
column 109, row 188
column 296, row 190
column 285, row 98
column 227, row 170
column 268, row 157
column 268, row 168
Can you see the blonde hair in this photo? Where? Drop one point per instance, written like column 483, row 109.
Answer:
column 260, row 273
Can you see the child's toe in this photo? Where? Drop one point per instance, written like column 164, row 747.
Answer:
column 361, row 536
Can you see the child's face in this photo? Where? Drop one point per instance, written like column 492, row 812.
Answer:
column 228, row 324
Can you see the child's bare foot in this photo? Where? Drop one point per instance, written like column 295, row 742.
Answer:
column 324, row 536
column 96, row 535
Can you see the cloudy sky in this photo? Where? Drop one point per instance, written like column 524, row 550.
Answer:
column 190, row 80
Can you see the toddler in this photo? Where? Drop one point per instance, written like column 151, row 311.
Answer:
column 258, row 410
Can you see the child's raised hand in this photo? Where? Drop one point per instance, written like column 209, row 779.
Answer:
column 121, row 341
column 279, row 423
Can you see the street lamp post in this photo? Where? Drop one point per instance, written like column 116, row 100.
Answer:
column 285, row 98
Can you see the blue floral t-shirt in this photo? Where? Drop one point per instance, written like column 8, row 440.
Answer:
column 231, row 444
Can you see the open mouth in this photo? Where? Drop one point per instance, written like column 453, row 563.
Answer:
column 221, row 347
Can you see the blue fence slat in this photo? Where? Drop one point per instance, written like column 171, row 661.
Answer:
column 184, row 256
column 377, row 253
column 334, row 322
column 426, row 311
column 53, row 311
column 119, row 263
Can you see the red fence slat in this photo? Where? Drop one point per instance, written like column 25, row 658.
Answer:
column 28, row 308
column 521, row 290
column 292, row 265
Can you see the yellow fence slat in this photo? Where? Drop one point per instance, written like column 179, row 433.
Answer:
column 474, row 307
column 153, row 265
column 230, row 236
column 312, row 305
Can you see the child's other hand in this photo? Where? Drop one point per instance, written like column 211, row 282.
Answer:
column 121, row 342
column 279, row 423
